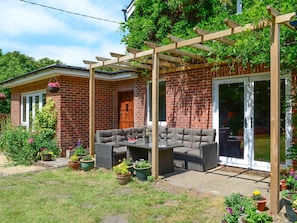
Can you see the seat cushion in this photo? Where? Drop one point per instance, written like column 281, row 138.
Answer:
column 120, row 150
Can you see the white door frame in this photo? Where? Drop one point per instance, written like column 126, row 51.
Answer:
column 248, row 156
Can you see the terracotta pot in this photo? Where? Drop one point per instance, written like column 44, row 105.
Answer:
column 261, row 205
column 73, row 165
column 283, row 185
column 123, row 178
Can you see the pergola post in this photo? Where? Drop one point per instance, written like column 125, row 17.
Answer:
column 91, row 110
column 274, row 116
column 155, row 116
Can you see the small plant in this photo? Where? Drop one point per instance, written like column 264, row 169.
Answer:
column 45, row 151
column 87, row 158
column 74, row 158
column 236, row 206
column 128, row 161
column 121, row 168
column 79, row 149
column 257, row 196
column 142, row 164
column 253, row 216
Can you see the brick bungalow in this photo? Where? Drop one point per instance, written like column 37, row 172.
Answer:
column 188, row 99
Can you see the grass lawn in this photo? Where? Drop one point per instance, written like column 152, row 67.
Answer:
column 64, row 195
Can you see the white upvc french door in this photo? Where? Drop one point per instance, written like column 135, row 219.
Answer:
column 29, row 103
column 241, row 108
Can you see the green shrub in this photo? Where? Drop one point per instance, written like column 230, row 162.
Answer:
column 23, row 146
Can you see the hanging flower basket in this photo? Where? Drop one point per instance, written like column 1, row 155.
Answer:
column 2, row 96
column 53, row 85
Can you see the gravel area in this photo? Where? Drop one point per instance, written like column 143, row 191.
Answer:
column 7, row 169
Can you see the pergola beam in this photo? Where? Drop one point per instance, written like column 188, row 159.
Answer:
column 286, row 18
column 197, row 45
column 232, row 24
column 175, row 51
column 220, row 39
column 163, row 63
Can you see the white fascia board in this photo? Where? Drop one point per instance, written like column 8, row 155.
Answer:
column 47, row 74
column 116, row 77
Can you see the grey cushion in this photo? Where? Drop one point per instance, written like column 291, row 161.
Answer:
column 120, row 150
column 188, row 137
column 208, row 135
column 196, row 138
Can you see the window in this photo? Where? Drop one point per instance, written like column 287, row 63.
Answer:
column 28, row 103
column 162, row 102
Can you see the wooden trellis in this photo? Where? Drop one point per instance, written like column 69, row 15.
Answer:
column 163, row 59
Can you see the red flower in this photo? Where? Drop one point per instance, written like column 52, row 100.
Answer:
column 54, row 84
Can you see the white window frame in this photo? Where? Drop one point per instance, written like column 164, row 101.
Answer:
column 161, row 123
column 33, row 95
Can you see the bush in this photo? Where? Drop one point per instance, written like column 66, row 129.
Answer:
column 23, row 146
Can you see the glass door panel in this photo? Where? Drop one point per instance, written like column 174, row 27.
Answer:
column 231, row 116
column 262, row 121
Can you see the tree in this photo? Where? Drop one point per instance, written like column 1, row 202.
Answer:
column 153, row 20
column 13, row 64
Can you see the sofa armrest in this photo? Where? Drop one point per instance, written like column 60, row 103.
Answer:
column 209, row 154
column 104, row 155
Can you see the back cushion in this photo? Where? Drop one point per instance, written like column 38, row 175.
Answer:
column 105, row 136
column 188, row 137
column 208, row 135
column 197, row 135
column 175, row 134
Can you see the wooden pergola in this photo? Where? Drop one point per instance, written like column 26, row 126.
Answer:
column 167, row 58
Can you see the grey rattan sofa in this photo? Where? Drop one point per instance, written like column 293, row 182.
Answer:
column 199, row 152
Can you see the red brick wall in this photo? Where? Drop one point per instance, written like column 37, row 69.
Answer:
column 188, row 95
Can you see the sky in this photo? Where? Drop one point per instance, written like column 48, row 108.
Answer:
column 41, row 32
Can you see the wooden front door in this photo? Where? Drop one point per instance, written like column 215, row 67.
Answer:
column 126, row 109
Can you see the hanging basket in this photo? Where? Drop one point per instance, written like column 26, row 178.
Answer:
column 53, row 85
column 2, row 96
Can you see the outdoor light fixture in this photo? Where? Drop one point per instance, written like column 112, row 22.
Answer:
column 294, row 23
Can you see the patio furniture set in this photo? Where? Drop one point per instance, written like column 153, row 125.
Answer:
column 186, row 148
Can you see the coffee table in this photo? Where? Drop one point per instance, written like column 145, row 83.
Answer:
column 142, row 150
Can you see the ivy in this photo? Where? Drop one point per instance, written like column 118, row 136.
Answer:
column 153, row 20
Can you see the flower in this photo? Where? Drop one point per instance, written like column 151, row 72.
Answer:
column 257, row 195
column 54, row 84
column 30, row 141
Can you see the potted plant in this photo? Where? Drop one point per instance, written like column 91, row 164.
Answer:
column 283, row 174
column 142, row 169
column 288, row 197
column 79, row 150
column 129, row 163
column 122, row 173
column 261, row 201
column 46, row 154
column 87, row 163
column 53, row 87
column 74, row 162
